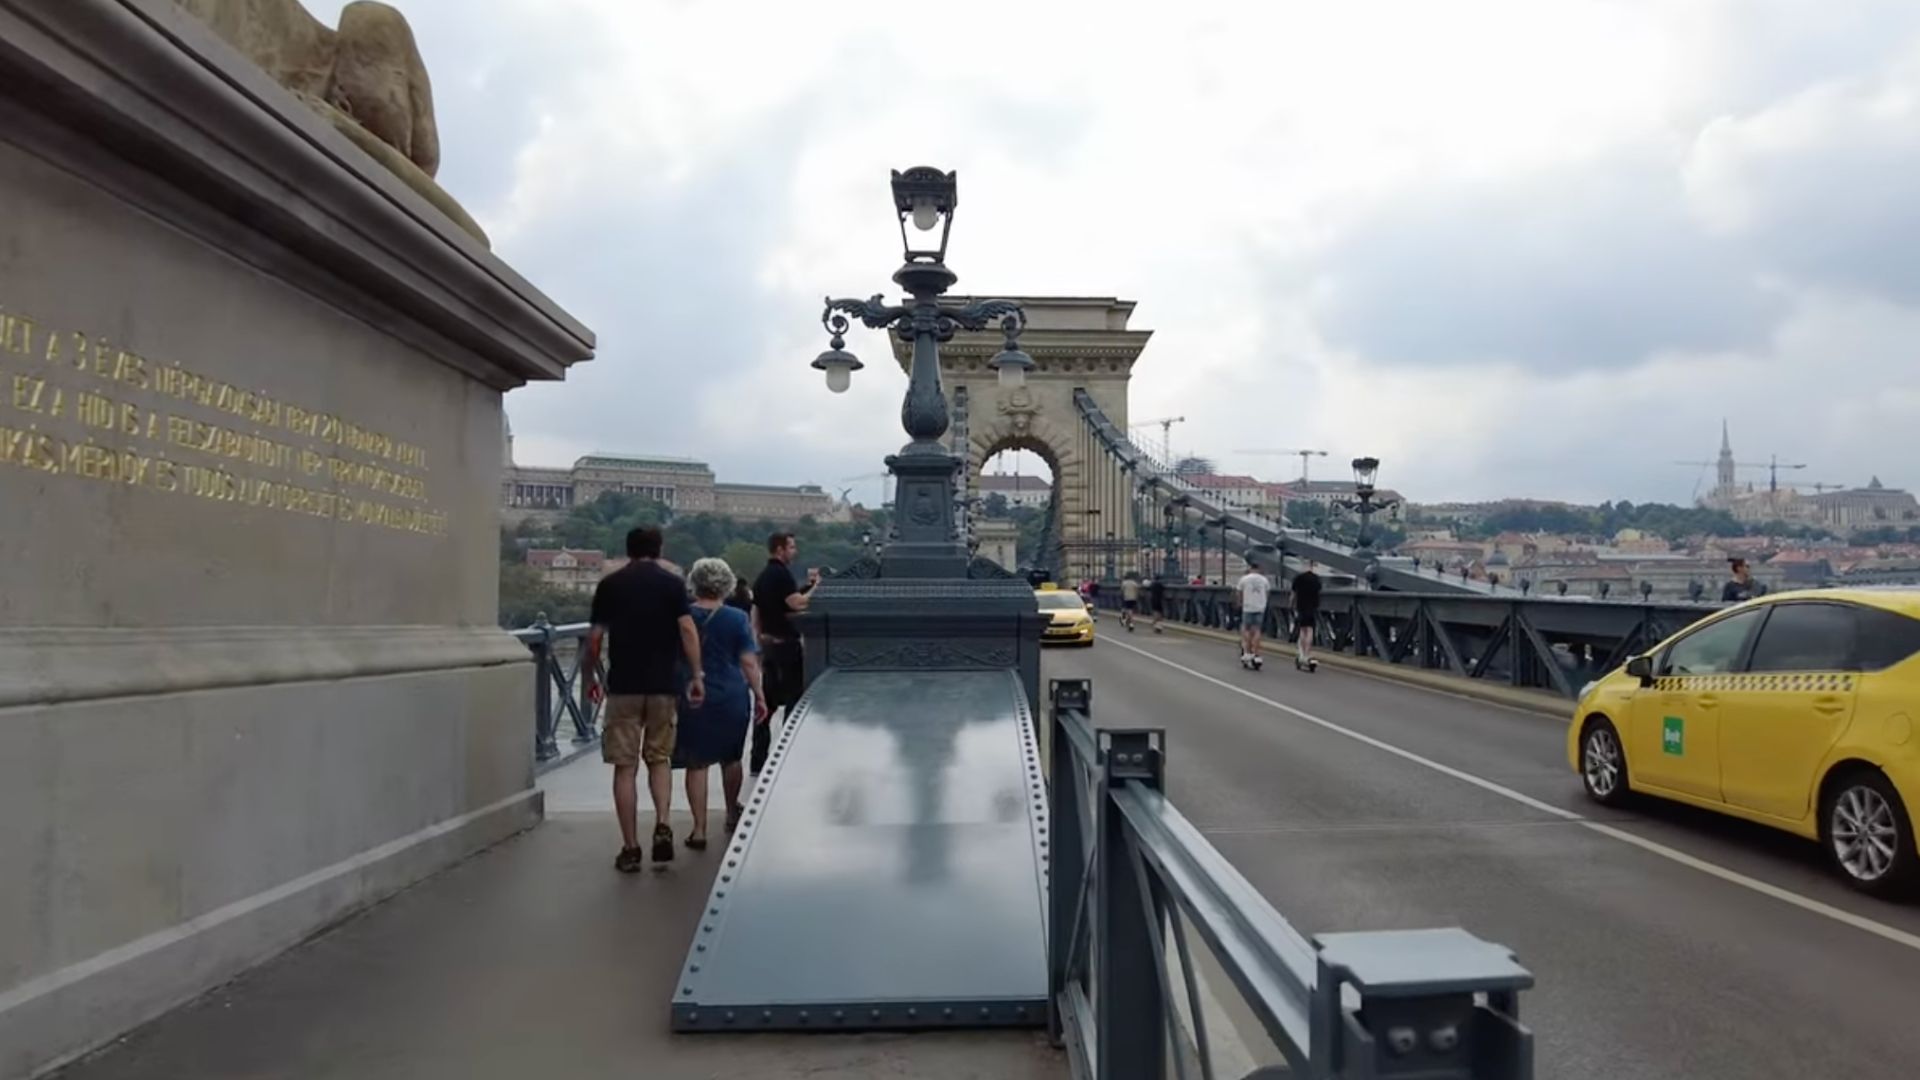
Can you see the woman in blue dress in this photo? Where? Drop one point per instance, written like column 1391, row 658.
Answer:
column 715, row 732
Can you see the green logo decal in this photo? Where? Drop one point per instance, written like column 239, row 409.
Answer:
column 1673, row 737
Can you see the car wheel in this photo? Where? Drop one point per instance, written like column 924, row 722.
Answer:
column 1868, row 835
column 1603, row 763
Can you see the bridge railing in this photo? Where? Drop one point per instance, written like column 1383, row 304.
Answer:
column 1541, row 642
column 1130, row 878
column 558, row 689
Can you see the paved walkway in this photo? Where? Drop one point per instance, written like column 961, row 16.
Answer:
column 531, row 959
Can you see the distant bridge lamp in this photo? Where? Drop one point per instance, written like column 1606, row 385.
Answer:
column 1366, row 502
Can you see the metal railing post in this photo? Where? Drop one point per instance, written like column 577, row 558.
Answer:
column 1067, row 858
column 545, row 747
column 1130, row 999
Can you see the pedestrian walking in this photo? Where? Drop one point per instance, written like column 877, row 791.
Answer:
column 777, row 597
column 741, row 599
column 715, row 731
column 1306, row 615
column 1253, row 590
column 641, row 616
column 1129, row 600
column 1157, row 599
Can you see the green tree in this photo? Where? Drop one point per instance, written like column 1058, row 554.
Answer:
column 746, row 558
column 524, row 598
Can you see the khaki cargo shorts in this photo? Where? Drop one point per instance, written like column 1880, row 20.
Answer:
column 639, row 727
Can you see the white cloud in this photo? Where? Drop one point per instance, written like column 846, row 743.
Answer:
column 1509, row 245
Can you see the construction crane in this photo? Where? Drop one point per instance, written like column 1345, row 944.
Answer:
column 1305, row 456
column 880, row 476
column 1773, row 465
column 1165, row 424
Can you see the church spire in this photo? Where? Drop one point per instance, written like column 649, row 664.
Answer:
column 1728, row 482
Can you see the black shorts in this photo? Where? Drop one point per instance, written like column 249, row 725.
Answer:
column 1306, row 616
column 1130, row 605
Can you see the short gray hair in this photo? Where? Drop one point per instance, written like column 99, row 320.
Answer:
column 712, row 579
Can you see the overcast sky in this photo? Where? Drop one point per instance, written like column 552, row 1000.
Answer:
column 1512, row 248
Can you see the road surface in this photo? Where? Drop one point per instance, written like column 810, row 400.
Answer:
column 1668, row 943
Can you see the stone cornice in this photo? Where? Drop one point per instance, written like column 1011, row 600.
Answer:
column 1052, row 350
column 200, row 133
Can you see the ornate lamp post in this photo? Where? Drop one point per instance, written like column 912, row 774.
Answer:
column 1112, row 549
column 1221, row 524
column 926, row 542
column 1365, row 502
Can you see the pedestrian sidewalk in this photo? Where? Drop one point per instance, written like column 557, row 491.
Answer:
column 531, row 959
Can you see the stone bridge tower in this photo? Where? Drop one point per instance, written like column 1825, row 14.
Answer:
column 1077, row 343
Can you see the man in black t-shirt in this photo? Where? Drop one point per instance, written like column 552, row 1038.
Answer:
column 1740, row 587
column 776, row 598
column 1306, row 612
column 643, row 608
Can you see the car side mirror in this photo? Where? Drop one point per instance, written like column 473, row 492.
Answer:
column 1641, row 667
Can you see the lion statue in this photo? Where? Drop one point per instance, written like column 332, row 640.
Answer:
column 366, row 77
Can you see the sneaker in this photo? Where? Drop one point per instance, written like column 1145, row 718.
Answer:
column 628, row 861
column 662, row 843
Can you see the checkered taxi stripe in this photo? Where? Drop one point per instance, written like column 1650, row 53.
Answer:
column 1831, row 682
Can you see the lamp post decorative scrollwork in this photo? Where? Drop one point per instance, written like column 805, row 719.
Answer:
column 928, row 542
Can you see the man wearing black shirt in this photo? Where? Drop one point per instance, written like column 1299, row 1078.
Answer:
column 643, row 607
column 1306, row 611
column 1741, row 587
column 776, row 597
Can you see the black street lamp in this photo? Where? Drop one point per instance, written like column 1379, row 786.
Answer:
column 926, row 541
column 1087, row 547
column 1366, row 503
column 1111, row 549
column 1221, row 524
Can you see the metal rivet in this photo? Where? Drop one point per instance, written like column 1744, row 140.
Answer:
column 686, row 991
column 727, row 1019
column 713, row 911
column 1402, row 1040
column 947, row 1013
column 707, row 929
column 1444, row 1039
column 766, row 1016
column 726, row 877
column 913, row 1012
column 985, row 1012
column 803, row 1016
column 722, row 893
column 733, row 862
column 693, row 967
column 873, row 1014
column 700, row 948
column 839, row 1016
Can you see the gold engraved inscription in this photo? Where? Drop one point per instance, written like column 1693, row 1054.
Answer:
column 77, row 405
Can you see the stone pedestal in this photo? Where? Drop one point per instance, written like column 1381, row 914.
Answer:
column 250, row 441
column 958, row 624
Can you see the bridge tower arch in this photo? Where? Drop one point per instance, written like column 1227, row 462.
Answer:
column 1077, row 343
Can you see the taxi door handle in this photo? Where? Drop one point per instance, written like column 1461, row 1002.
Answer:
column 1828, row 705
column 1707, row 701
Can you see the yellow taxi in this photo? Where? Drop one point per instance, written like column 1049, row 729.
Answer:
column 1795, row 711
column 1069, row 622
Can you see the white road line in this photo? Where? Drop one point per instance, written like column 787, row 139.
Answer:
column 1805, row 903
column 1427, row 762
